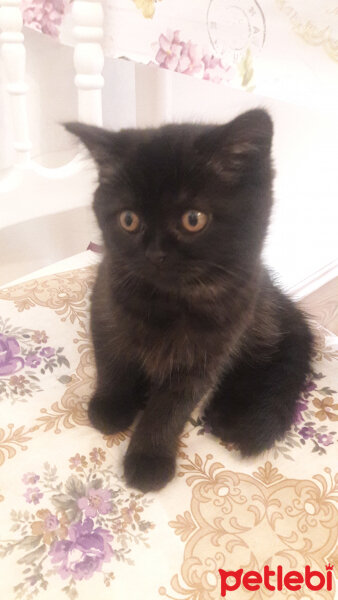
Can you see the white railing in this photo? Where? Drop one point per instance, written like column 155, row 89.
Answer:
column 14, row 57
column 45, row 213
column 88, row 59
column 88, row 63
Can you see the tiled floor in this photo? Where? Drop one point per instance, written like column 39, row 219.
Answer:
column 323, row 305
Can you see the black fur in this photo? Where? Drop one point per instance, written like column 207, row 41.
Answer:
column 176, row 315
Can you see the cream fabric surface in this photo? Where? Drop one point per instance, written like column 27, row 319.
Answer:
column 70, row 528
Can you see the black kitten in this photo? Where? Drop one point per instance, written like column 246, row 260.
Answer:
column 182, row 305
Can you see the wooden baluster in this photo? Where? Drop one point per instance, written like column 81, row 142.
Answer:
column 14, row 58
column 88, row 59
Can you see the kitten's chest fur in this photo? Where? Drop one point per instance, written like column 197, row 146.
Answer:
column 168, row 341
column 166, row 333
column 169, row 335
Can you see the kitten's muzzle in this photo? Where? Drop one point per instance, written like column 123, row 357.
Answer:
column 155, row 256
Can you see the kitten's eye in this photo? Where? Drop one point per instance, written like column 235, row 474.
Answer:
column 129, row 221
column 194, row 221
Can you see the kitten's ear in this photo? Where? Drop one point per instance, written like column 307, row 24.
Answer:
column 104, row 146
column 240, row 147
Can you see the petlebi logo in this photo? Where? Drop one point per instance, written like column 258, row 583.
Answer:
column 276, row 580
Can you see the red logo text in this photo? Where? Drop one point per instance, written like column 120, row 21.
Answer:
column 275, row 580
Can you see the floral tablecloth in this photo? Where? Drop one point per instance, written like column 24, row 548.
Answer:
column 71, row 528
column 286, row 49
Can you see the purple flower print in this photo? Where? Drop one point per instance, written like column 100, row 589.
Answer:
column 44, row 15
column 96, row 502
column 311, row 385
column 84, row 552
column 325, row 438
column 175, row 55
column 32, row 360
column 300, row 407
column 30, row 478
column 51, row 523
column 10, row 362
column 186, row 57
column 307, row 432
column 33, row 495
column 169, row 52
column 47, row 352
column 190, row 62
column 215, row 71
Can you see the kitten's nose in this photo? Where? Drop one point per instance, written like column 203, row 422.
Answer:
column 155, row 255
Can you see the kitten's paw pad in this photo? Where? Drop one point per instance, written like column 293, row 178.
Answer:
column 108, row 417
column 147, row 472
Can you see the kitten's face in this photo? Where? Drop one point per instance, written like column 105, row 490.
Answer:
column 183, row 205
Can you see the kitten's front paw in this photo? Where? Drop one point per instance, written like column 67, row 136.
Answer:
column 147, row 472
column 108, row 416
